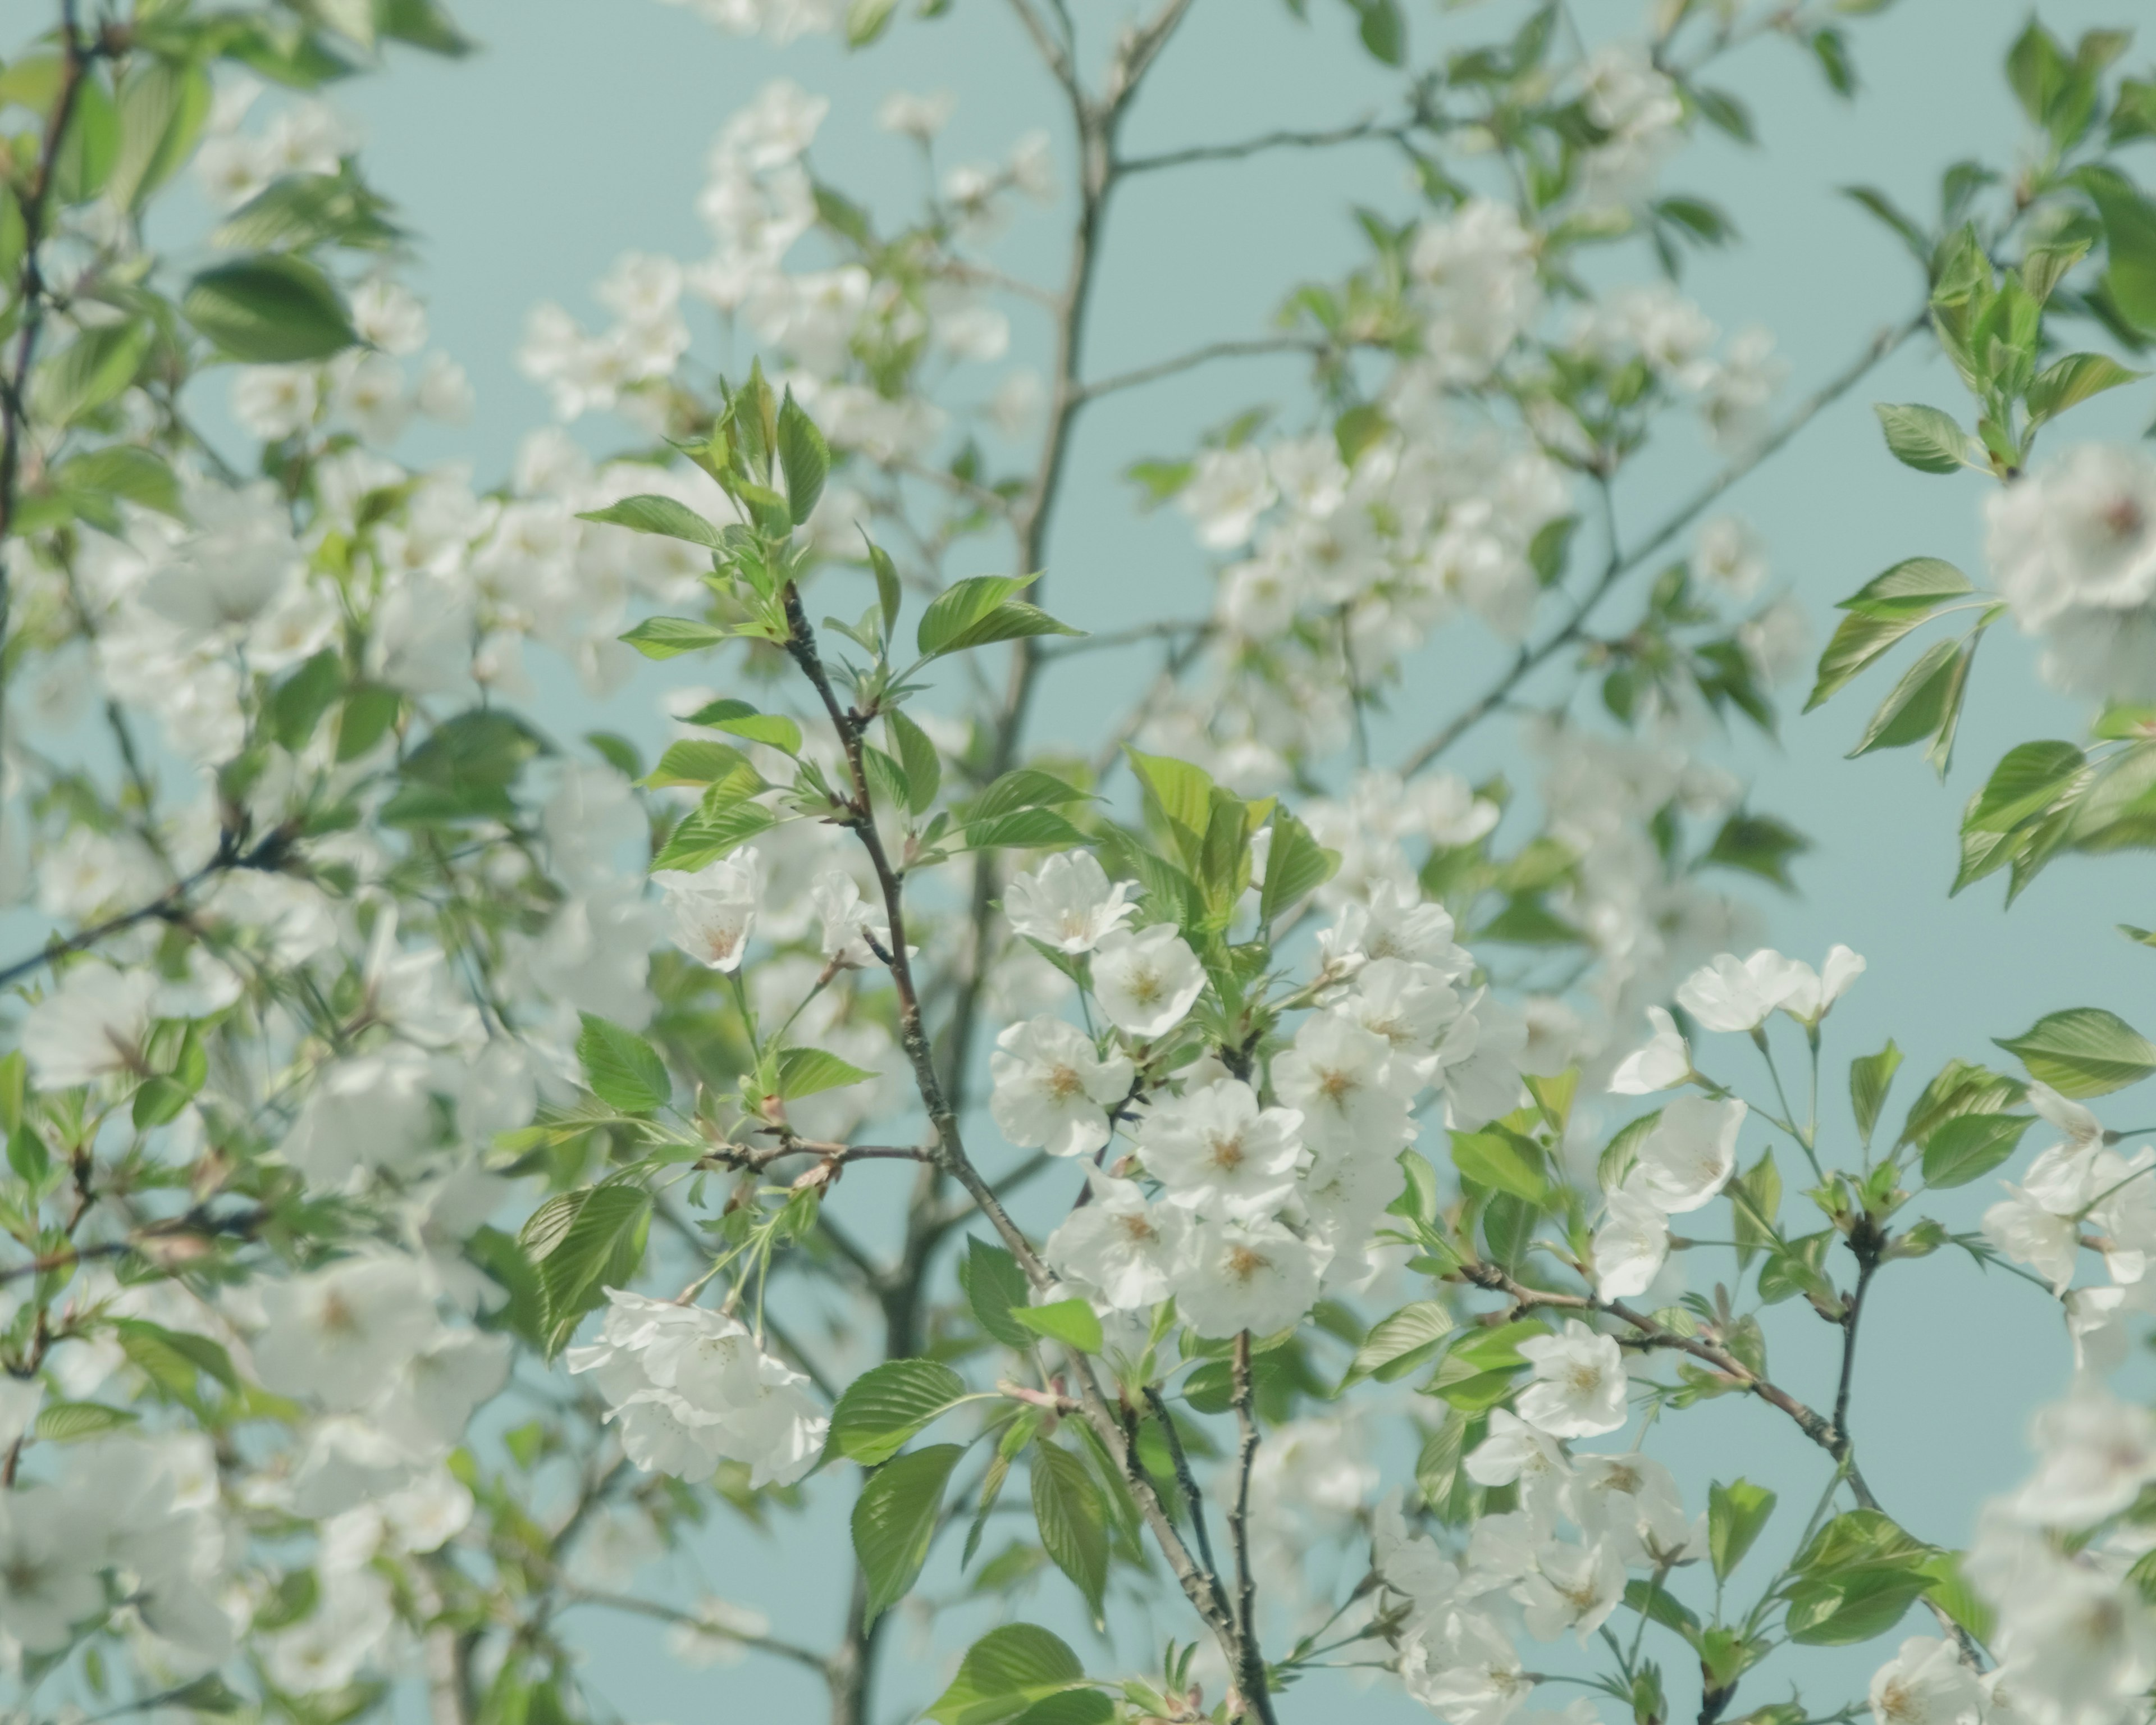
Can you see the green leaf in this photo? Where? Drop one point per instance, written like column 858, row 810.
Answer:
column 868, row 19
column 895, row 1519
column 1023, row 829
column 2083, row 1052
column 1503, row 1159
column 1296, row 867
column 695, row 762
column 298, row 212
column 1179, row 800
column 1970, row 1145
column 2129, row 225
column 623, row 1071
column 173, row 1357
column 1757, row 844
column 889, row 594
column 2072, row 380
column 1736, row 1514
column 162, row 107
column 581, row 1244
column 1384, row 30
column 924, row 766
column 269, row 309
column 1915, row 584
column 802, row 454
column 70, row 1422
column 663, row 516
column 887, row 1405
column 1399, row 1344
column 1073, row 1525
column 979, row 610
column 1869, row 1080
column 739, row 719
column 89, row 371
column 1851, row 1607
column 1924, row 438
column 1957, row 1088
column 1004, row 1672
column 2027, row 781
column 1858, row 640
column 708, row 835
column 126, row 471
column 809, row 1071
column 1655, row 1603
column 1070, row 1322
column 1917, row 706
column 994, row 1287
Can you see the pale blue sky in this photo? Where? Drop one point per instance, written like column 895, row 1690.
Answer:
column 580, row 132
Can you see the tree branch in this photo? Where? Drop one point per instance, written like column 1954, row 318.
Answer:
column 1203, row 356
column 1622, row 563
column 1368, row 128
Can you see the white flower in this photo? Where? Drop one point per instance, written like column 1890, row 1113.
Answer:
column 1632, row 1501
column 370, row 1113
column 48, row 1572
column 916, row 116
column 850, row 924
column 1629, row 1246
column 2030, row 1233
column 1733, row 994
column 92, row 1025
column 2095, row 1453
column 1465, row 1669
column 1578, row 1387
column 1216, row 1152
column 2073, row 548
column 1341, row 1078
column 341, row 1332
column 1926, row 1683
column 275, row 402
column 690, row 1386
column 1052, row 1090
column 1117, row 1245
column 1067, row 903
column 1571, row 1586
column 1517, row 1453
column 1146, row 983
column 712, row 911
column 1664, row 1063
column 1689, row 1155
column 1812, row 993
column 239, row 559
column 1229, row 490
column 1731, row 554
column 1255, row 1277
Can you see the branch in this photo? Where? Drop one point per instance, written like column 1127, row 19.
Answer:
column 1203, row 356
column 1368, row 127
column 1250, row 1674
column 36, row 201
column 1622, row 563
column 774, row 1644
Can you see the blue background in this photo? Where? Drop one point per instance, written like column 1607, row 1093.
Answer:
column 579, row 131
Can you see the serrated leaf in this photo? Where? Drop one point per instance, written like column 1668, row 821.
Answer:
column 2086, row 1051
column 695, row 762
column 2068, row 381
column 1004, row 1672
column 2027, row 781
column 1869, row 1080
column 1924, row 438
column 706, row 835
column 738, row 718
column 884, row 1409
column 1023, row 829
column 1504, row 1160
column 809, row 1071
column 1072, row 1323
column 646, row 513
column 1969, row 1146
column 623, row 1071
column 1399, row 1344
column 70, row 1422
column 1736, row 1515
column 1073, row 1523
column 962, row 605
column 269, row 309
column 994, row 1285
column 668, row 637
column 804, row 457
column 923, row 765
column 1296, row 867
column 1916, row 707
column 895, row 1518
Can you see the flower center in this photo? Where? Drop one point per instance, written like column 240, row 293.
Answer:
column 1228, row 1153
column 1063, row 1083
column 1243, row 1263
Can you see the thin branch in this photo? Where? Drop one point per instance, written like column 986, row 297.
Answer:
column 1621, row 564
column 1367, row 128
column 774, row 1644
column 1250, row 1673
column 1203, row 356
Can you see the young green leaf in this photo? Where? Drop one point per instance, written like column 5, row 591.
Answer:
column 1073, row 1523
column 2072, row 380
column 662, row 516
column 1399, row 1344
column 1070, row 1322
column 1869, row 1079
column 884, row 1409
column 1924, row 438
column 269, row 309
column 665, row 636
column 994, row 1285
column 623, row 1071
column 1917, row 706
column 803, row 457
column 895, row 1518
column 1736, row 1515
column 1969, row 1146
column 2086, row 1051
column 1003, row 1673
column 809, row 1071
